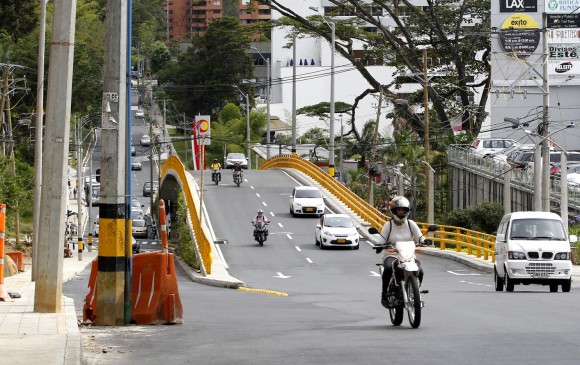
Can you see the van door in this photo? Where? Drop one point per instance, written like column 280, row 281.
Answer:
column 501, row 245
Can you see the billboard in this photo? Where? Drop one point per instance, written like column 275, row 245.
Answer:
column 518, row 6
column 565, row 35
column 519, row 34
column 561, row 6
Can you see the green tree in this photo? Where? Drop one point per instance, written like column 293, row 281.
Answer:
column 439, row 26
column 205, row 75
column 19, row 17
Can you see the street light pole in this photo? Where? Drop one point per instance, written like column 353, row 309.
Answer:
column 332, row 26
column 268, row 116
column 248, row 125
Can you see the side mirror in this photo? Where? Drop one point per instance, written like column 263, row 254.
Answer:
column 318, row 226
column 432, row 228
column 373, row 230
column 500, row 237
column 573, row 238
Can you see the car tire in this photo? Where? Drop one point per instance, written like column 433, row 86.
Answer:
column 322, row 247
column 498, row 281
column 356, row 247
column 509, row 284
column 566, row 286
column 553, row 288
column 316, row 240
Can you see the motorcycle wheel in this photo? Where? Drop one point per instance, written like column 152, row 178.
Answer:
column 414, row 307
column 260, row 239
column 238, row 182
column 396, row 315
column 216, row 179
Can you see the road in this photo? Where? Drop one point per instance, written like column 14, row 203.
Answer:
column 332, row 314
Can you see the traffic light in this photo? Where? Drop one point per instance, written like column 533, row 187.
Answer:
column 98, row 175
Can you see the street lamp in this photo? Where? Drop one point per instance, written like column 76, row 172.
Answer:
column 269, row 76
column 248, row 125
column 331, row 144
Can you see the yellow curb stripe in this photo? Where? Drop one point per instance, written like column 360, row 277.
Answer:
column 264, row 291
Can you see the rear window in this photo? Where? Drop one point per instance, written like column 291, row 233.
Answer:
column 308, row 194
column 138, row 223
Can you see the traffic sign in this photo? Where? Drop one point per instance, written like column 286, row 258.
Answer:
column 203, row 130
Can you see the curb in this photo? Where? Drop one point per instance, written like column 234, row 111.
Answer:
column 225, row 282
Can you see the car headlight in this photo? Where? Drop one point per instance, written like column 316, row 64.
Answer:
column 562, row 256
column 297, row 204
column 326, row 232
column 516, row 255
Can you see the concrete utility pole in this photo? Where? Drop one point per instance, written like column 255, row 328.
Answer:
column 38, row 136
column 48, row 284
column 429, row 188
column 79, row 139
column 545, row 122
column 113, row 246
column 374, row 148
column 294, row 95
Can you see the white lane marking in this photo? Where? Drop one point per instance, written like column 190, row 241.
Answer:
column 472, row 283
column 288, row 235
column 264, row 204
column 373, row 273
column 258, row 195
column 280, row 224
column 272, row 214
column 308, row 259
column 279, row 275
column 463, row 274
column 298, row 249
column 251, row 187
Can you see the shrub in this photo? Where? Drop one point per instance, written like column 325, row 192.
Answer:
column 484, row 218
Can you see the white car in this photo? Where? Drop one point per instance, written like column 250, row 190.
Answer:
column 145, row 140
column 486, row 146
column 139, row 113
column 139, row 228
column 337, row 230
column 233, row 158
column 136, row 165
column 307, row 200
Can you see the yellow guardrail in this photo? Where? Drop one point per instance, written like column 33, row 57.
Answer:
column 201, row 236
column 480, row 244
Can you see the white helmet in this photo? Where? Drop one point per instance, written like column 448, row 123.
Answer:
column 400, row 202
column 260, row 212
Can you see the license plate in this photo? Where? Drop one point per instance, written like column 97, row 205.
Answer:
column 309, row 210
column 540, row 275
column 340, row 240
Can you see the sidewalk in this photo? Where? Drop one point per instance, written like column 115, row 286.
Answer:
column 31, row 338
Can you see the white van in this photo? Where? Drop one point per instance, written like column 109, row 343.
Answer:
column 532, row 248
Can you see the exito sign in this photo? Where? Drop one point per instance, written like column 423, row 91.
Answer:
column 518, row 6
column 519, row 34
column 561, row 6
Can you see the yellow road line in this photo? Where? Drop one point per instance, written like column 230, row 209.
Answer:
column 264, row 291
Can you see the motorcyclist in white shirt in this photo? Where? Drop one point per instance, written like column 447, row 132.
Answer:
column 260, row 217
column 400, row 228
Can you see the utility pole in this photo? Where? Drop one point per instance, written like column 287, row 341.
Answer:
column 114, row 250
column 48, row 284
column 374, row 148
column 79, row 140
column 429, row 189
column 545, row 122
column 38, row 136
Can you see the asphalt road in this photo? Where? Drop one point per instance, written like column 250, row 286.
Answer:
column 332, row 314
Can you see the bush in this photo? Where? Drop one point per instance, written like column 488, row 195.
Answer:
column 185, row 247
column 484, row 218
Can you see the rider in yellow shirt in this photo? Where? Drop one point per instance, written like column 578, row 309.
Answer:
column 215, row 168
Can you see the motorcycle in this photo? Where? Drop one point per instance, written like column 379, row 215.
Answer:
column 261, row 232
column 238, row 178
column 403, row 292
column 216, row 176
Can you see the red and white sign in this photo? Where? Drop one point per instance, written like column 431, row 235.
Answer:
column 203, row 129
column 564, row 68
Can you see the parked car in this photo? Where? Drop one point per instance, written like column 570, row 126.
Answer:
column 139, row 228
column 336, row 230
column 233, row 157
column 139, row 114
column 96, row 226
column 485, row 146
column 147, row 190
column 533, row 248
column 555, row 161
column 135, row 202
column 307, row 200
column 508, row 154
column 137, row 213
column 133, row 151
column 522, row 159
column 136, row 165
column 145, row 140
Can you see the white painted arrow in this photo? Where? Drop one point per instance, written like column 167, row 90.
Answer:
column 375, row 273
column 462, row 273
column 281, row 276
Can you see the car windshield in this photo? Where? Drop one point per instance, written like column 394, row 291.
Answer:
column 537, row 229
column 308, row 194
column 138, row 223
column 236, row 156
column 342, row 222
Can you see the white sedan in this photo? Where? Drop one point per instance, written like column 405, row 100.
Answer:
column 145, row 140
column 338, row 230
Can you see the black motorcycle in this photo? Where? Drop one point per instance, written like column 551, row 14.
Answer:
column 261, row 232
column 216, row 176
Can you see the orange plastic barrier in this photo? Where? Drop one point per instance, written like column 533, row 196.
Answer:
column 155, row 292
column 90, row 306
column 18, row 258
